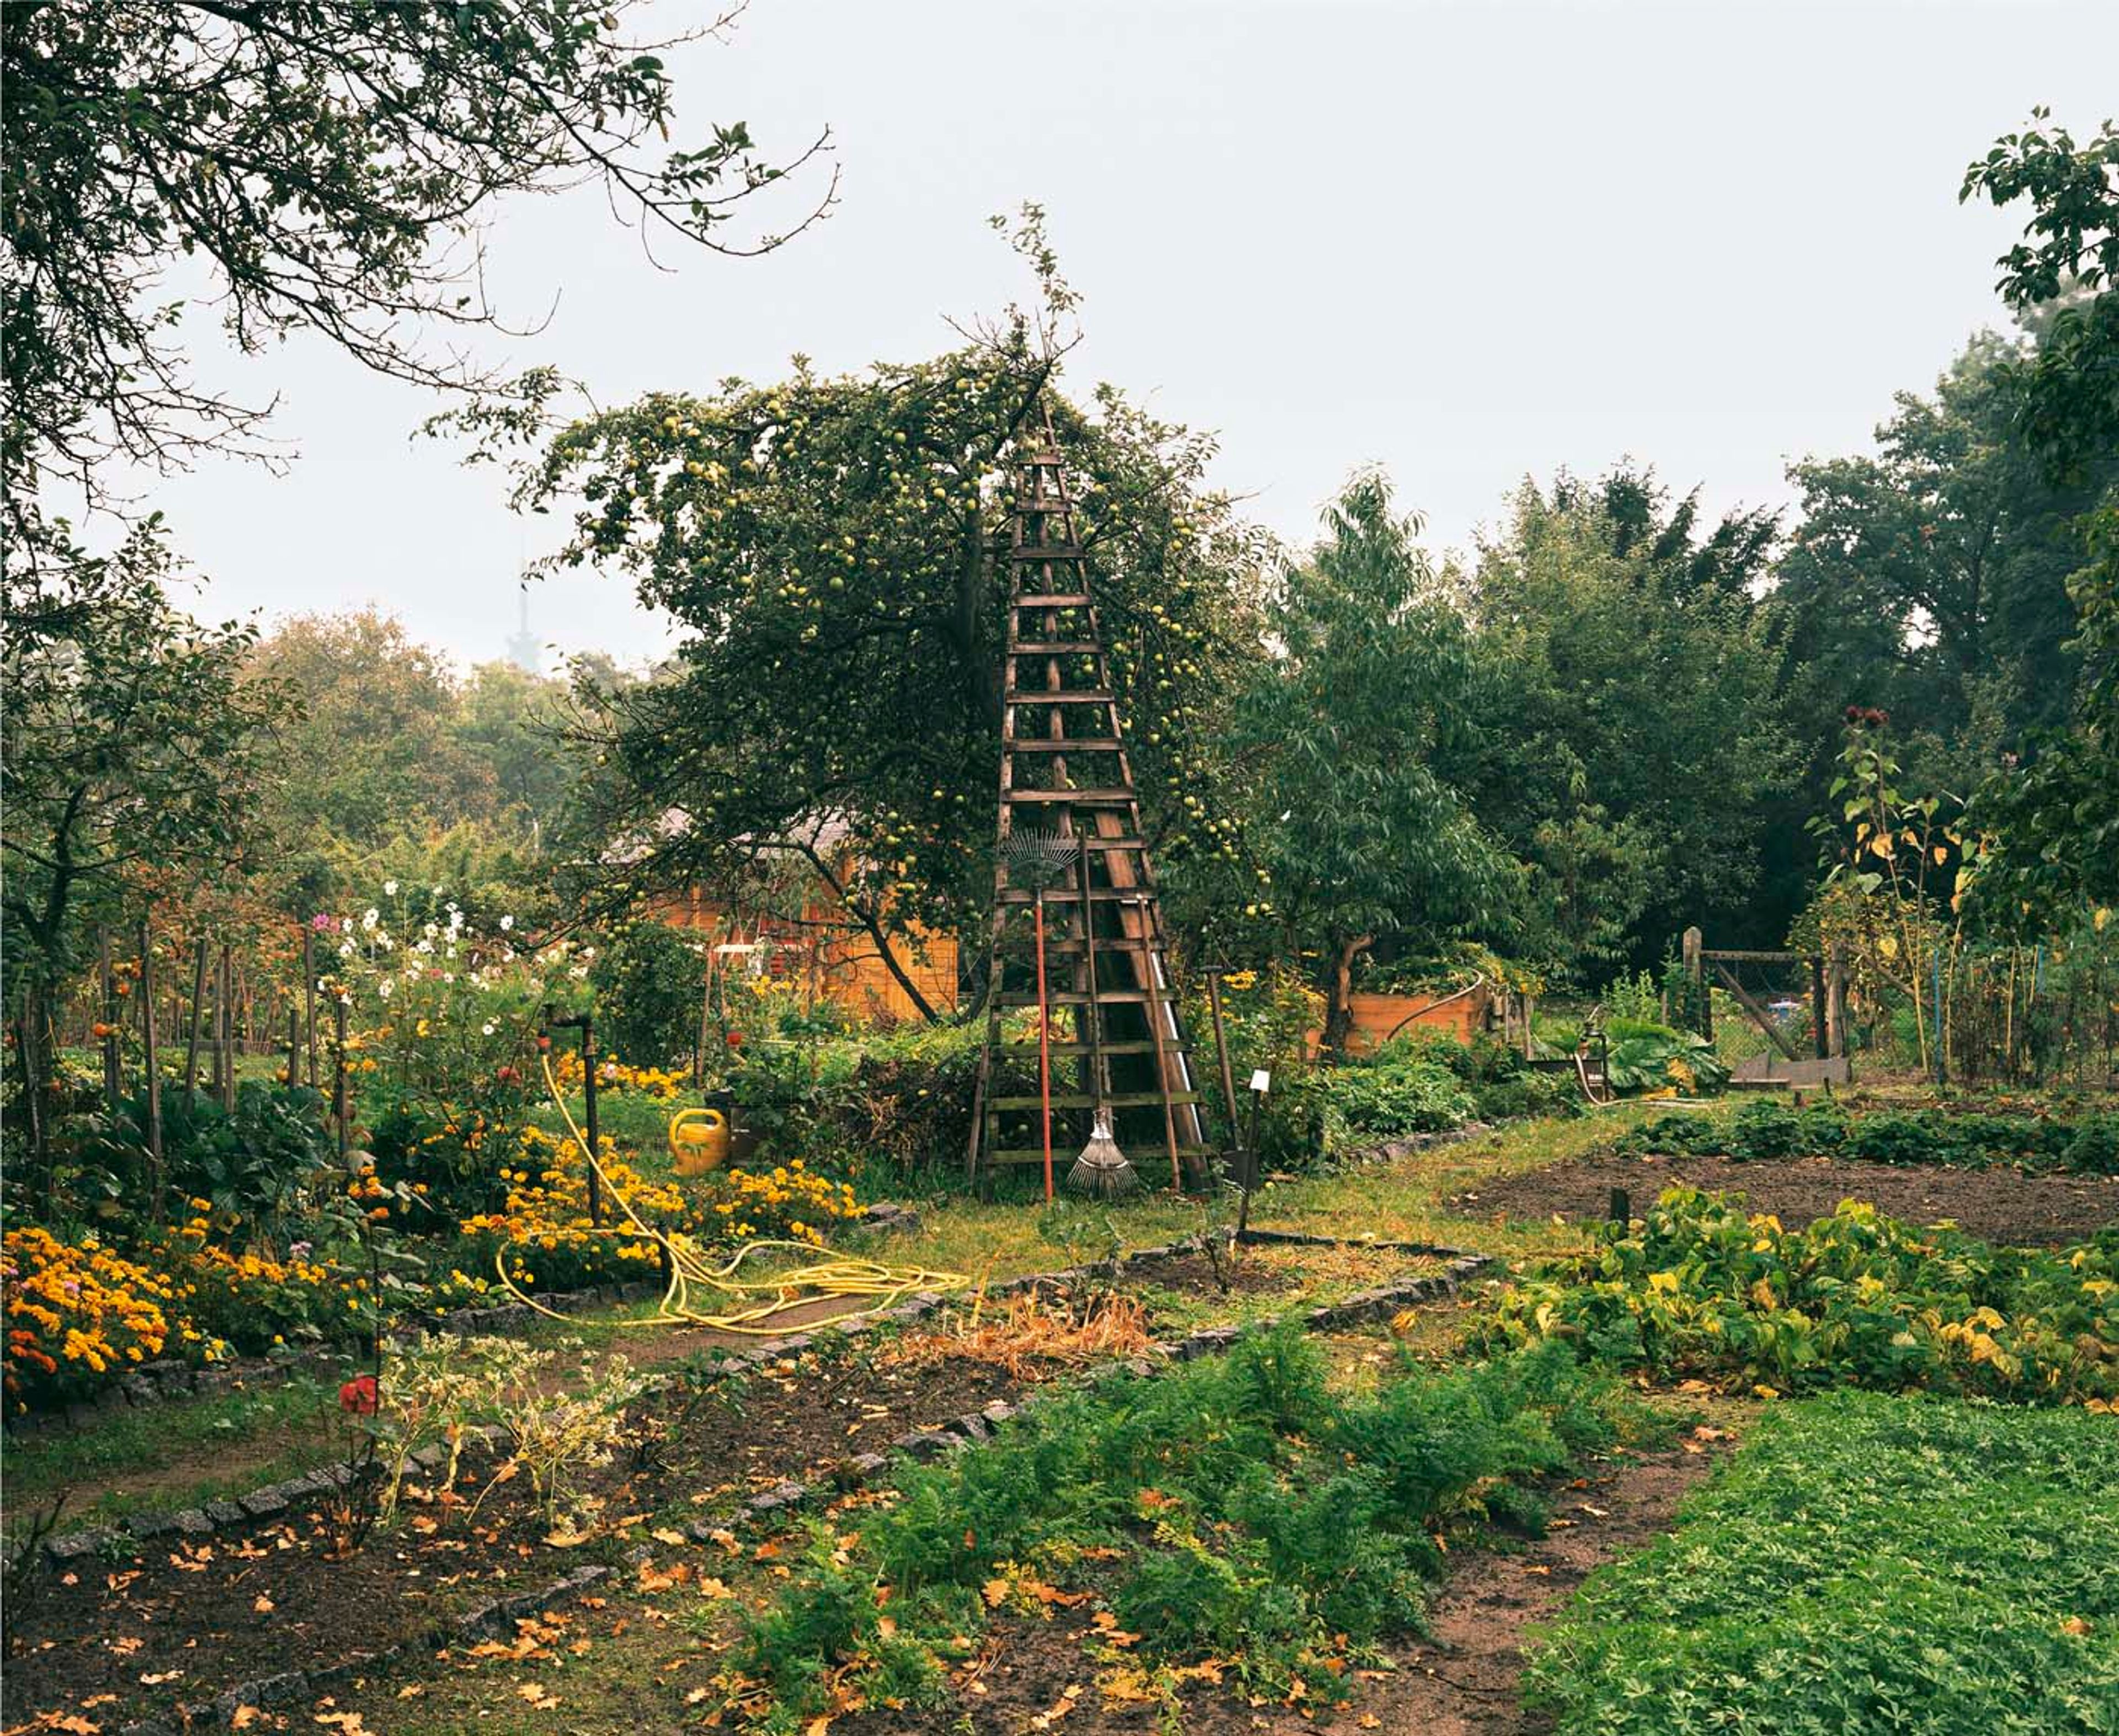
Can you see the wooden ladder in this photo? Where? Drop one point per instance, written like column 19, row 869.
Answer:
column 1064, row 770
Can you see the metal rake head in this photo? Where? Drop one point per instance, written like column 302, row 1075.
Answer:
column 1039, row 861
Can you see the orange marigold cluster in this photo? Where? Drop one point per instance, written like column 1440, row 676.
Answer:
column 77, row 1312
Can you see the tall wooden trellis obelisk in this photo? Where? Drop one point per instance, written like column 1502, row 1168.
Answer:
column 1066, row 782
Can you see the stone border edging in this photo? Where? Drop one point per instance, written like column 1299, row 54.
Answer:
column 959, row 1435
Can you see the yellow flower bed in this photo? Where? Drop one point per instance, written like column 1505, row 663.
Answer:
column 254, row 1301
column 545, row 1239
column 659, row 1084
column 789, row 1203
column 545, row 1229
column 78, row 1314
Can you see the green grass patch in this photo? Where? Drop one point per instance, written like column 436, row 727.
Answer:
column 1241, row 1509
column 1867, row 1562
column 172, row 1455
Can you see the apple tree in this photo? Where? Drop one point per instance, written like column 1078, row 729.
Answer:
column 833, row 549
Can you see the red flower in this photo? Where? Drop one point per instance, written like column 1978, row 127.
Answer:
column 734, row 1039
column 358, row 1396
column 507, row 1076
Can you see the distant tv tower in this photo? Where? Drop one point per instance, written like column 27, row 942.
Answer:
column 523, row 650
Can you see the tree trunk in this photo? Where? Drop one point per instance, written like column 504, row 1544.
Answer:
column 1339, row 992
column 874, row 931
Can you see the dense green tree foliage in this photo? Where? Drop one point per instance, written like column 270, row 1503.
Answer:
column 2054, row 823
column 1345, row 740
column 325, row 163
column 1632, row 730
column 830, row 546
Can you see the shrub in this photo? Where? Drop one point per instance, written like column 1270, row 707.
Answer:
column 1504, row 1086
column 649, row 979
column 1705, row 1290
column 1398, row 1090
column 256, row 1163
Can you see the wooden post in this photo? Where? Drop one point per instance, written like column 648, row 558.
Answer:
column 198, row 1022
column 338, row 1073
column 151, row 1067
column 310, row 997
column 1696, row 972
column 225, row 1023
column 1835, row 1000
column 294, row 1048
column 1529, row 1005
column 706, row 1021
column 114, row 1084
column 1817, row 1014
column 1222, row 1051
column 595, row 1152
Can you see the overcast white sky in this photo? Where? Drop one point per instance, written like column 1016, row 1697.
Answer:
column 1468, row 241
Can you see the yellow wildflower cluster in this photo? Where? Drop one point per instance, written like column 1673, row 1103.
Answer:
column 253, row 1300
column 659, row 1084
column 545, row 1224
column 788, row 1201
column 78, row 1311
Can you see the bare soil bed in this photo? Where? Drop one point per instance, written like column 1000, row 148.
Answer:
column 1998, row 1205
column 176, row 1623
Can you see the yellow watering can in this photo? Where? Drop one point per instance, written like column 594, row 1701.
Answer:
column 699, row 1140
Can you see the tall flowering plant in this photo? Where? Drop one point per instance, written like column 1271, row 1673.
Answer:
column 443, row 1016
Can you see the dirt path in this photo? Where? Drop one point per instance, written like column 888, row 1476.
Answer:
column 1999, row 1204
column 1466, row 1681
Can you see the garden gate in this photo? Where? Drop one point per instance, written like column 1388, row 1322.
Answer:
column 1823, row 982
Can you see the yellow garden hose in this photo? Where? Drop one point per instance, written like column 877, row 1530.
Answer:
column 760, row 1300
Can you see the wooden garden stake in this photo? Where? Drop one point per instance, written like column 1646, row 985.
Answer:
column 338, row 1073
column 1221, row 1048
column 225, row 1021
column 309, row 999
column 589, row 1094
column 113, row 1085
column 294, row 1048
column 1819, row 1020
column 151, row 1067
column 1696, row 972
column 198, row 1021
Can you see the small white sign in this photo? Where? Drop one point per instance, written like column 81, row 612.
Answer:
column 1261, row 1080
